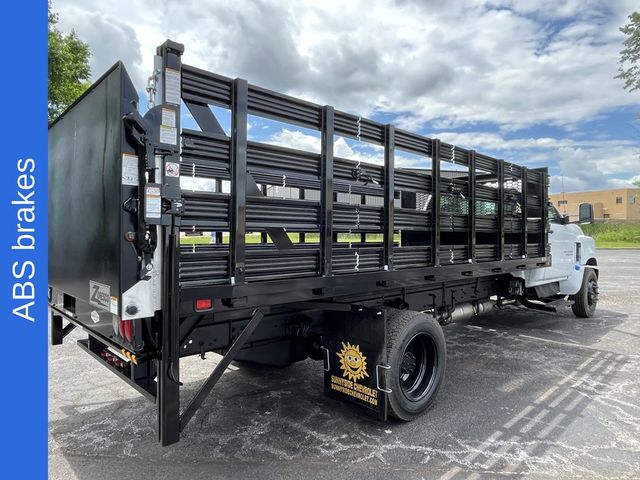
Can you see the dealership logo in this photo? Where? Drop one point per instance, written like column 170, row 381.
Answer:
column 352, row 362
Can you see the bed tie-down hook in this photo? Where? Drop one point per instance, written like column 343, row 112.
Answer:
column 360, row 174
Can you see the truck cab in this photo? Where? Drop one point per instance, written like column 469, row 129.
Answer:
column 573, row 271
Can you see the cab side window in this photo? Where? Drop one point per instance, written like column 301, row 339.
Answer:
column 554, row 216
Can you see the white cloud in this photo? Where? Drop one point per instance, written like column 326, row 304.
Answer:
column 357, row 151
column 585, row 165
column 578, row 164
column 311, row 143
column 110, row 37
column 503, row 61
column 594, row 169
column 507, row 63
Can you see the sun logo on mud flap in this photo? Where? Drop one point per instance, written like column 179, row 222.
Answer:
column 352, row 362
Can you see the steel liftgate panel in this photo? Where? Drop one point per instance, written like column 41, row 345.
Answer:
column 93, row 169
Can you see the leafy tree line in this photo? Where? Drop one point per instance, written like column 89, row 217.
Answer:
column 69, row 71
column 629, row 64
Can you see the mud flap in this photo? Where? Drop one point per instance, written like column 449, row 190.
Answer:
column 356, row 358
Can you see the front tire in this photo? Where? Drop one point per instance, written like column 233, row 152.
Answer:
column 417, row 355
column 586, row 300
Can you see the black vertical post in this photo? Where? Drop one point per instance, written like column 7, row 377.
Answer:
column 545, row 212
column 239, row 111
column 168, row 363
column 523, row 207
column 472, row 206
column 56, row 329
column 301, row 235
column 326, row 191
column 500, row 209
column 363, row 235
column 218, row 235
column 389, row 195
column 263, row 235
column 435, row 204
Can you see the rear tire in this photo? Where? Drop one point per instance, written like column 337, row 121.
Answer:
column 586, row 300
column 417, row 355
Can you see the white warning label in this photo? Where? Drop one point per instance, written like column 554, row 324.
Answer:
column 152, row 202
column 171, row 86
column 168, row 135
column 168, row 117
column 114, row 305
column 129, row 169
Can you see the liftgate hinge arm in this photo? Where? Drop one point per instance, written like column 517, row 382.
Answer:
column 139, row 129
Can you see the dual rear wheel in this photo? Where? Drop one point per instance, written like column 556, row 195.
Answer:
column 416, row 353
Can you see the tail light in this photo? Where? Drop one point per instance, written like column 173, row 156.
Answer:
column 204, row 304
column 125, row 329
column 128, row 330
column 120, row 327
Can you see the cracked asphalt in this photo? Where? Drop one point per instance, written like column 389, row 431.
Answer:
column 526, row 393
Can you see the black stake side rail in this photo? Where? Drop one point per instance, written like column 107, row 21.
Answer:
column 489, row 219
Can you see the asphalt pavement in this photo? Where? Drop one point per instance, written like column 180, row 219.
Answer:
column 526, row 393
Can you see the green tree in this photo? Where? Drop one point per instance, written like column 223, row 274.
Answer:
column 629, row 63
column 69, row 70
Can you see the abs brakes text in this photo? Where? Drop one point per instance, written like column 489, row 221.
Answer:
column 23, row 268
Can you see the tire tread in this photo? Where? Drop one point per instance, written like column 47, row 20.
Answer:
column 397, row 322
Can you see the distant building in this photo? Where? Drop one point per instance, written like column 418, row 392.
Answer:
column 618, row 204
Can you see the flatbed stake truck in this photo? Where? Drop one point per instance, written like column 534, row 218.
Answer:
column 356, row 265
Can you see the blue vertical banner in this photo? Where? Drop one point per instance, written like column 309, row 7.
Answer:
column 23, row 241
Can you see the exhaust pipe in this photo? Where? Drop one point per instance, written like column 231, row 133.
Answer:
column 465, row 311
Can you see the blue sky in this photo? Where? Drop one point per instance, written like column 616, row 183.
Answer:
column 528, row 81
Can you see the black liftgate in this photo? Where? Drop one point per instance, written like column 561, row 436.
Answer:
column 345, row 228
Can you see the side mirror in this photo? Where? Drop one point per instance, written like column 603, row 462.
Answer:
column 566, row 219
column 586, row 213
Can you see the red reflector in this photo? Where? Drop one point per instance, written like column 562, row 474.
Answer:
column 203, row 304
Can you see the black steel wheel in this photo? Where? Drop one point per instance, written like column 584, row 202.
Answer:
column 416, row 353
column 586, row 300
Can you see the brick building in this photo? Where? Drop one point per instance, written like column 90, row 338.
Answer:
column 618, row 204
